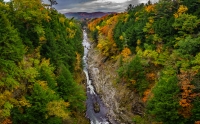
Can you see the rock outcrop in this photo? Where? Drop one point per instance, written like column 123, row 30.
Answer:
column 121, row 102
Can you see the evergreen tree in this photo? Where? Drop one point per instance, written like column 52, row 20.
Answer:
column 69, row 90
column 52, row 2
column 11, row 47
column 163, row 106
column 37, row 112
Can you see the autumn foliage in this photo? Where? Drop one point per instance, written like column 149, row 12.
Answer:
column 186, row 93
column 158, row 45
column 40, row 53
column 106, row 43
column 7, row 121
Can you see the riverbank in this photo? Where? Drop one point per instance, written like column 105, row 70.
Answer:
column 120, row 101
column 96, row 110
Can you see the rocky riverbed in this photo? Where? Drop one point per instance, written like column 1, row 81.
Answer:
column 122, row 103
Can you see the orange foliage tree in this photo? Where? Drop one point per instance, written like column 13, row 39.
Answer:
column 7, row 121
column 106, row 42
column 92, row 25
column 186, row 93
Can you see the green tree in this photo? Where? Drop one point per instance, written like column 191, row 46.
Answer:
column 37, row 112
column 34, row 42
column 163, row 106
column 189, row 46
column 134, row 73
column 186, row 24
column 193, row 6
column 196, row 101
column 11, row 47
column 69, row 90
column 163, row 27
column 27, row 16
column 196, row 110
column 11, row 50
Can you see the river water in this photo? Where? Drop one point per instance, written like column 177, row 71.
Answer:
column 92, row 97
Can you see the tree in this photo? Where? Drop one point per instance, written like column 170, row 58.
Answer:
column 163, row 106
column 34, row 42
column 133, row 73
column 186, row 24
column 130, row 7
column 11, row 53
column 193, row 6
column 196, row 101
column 40, row 99
column 189, row 46
column 11, row 47
column 69, row 90
column 52, row 2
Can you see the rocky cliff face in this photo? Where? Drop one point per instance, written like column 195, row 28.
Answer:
column 122, row 103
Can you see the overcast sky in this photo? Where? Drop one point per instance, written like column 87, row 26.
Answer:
column 64, row 6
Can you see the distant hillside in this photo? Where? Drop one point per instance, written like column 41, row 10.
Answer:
column 84, row 15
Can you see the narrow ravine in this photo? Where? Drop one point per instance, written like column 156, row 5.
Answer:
column 96, row 110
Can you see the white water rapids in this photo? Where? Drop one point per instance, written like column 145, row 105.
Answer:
column 92, row 97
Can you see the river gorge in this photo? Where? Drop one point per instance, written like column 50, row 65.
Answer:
column 93, row 100
column 115, row 102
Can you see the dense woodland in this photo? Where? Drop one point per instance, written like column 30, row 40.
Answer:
column 158, row 49
column 40, row 54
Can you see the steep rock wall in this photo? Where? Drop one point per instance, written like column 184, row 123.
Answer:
column 122, row 103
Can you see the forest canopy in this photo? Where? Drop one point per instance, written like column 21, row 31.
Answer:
column 40, row 56
column 158, row 49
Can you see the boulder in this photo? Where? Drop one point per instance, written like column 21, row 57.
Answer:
column 96, row 107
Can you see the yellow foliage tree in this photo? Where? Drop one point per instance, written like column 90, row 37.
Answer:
column 78, row 62
column 150, row 8
column 182, row 9
column 121, row 37
column 126, row 52
column 62, row 20
column 148, row 28
column 71, row 33
column 58, row 108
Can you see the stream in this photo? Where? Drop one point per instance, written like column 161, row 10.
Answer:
column 93, row 99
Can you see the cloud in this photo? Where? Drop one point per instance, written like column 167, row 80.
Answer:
column 98, row 5
column 64, row 6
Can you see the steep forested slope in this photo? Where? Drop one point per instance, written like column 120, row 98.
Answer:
column 158, row 49
column 40, row 54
